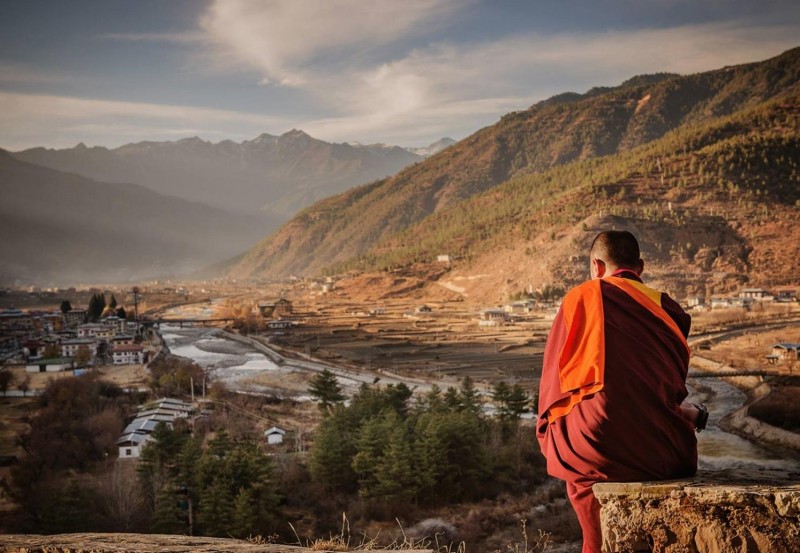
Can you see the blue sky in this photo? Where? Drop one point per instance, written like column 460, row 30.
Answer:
column 109, row 72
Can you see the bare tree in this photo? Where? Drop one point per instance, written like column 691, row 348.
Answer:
column 123, row 500
column 24, row 385
column 6, row 380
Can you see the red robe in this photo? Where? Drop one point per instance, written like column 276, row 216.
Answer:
column 612, row 383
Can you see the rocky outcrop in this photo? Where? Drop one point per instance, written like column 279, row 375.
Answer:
column 721, row 512
column 144, row 543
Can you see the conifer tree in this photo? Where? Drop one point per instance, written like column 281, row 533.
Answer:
column 331, row 457
column 370, row 446
column 326, row 390
column 396, row 478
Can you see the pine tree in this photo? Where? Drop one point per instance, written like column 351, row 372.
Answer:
column 469, row 398
column 97, row 304
column 331, row 457
column 370, row 446
column 395, row 474
column 326, row 390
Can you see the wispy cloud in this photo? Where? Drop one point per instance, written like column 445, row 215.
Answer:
column 337, row 53
column 284, row 39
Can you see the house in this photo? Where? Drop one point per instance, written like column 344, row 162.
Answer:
column 274, row 435
column 757, row 294
column 130, row 445
column 15, row 319
column 33, row 349
column 492, row 317
column 123, row 340
column 279, row 323
column 8, row 345
column 786, row 293
column 71, row 348
column 443, row 258
column 118, row 326
column 518, row 307
column 138, row 431
column 694, row 301
column 75, row 317
column 128, row 355
column 786, row 351
column 95, row 330
column 275, row 308
column 56, row 364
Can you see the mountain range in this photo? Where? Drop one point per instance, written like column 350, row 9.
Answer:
column 274, row 176
column 60, row 228
column 521, row 196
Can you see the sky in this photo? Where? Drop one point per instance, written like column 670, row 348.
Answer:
column 111, row 72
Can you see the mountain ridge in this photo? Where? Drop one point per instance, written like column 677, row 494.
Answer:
column 343, row 228
column 272, row 175
column 64, row 227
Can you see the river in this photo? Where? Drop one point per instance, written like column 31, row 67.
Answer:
column 240, row 367
column 721, row 450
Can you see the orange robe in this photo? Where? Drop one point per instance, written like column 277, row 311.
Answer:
column 613, row 379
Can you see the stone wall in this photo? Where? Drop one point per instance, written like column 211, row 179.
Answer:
column 719, row 512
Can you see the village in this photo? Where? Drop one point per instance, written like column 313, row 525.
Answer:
column 323, row 320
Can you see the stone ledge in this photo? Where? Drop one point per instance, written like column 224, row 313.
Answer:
column 714, row 512
column 141, row 543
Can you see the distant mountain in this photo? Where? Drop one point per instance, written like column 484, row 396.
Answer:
column 432, row 149
column 275, row 175
column 60, row 228
column 359, row 228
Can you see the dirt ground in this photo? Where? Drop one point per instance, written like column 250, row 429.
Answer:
column 750, row 350
column 444, row 344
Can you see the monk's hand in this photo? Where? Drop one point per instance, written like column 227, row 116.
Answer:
column 697, row 414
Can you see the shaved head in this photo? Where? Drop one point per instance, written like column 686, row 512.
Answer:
column 616, row 248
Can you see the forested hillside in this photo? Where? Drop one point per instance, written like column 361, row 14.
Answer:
column 574, row 131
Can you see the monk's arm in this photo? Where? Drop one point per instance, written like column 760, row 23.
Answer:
column 693, row 413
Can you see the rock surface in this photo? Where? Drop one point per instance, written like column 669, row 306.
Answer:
column 141, row 543
column 719, row 512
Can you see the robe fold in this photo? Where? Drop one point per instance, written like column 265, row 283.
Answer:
column 613, row 379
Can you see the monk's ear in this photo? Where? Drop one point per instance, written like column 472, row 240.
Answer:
column 598, row 268
column 640, row 268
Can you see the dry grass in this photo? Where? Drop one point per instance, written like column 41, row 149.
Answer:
column 528, row 544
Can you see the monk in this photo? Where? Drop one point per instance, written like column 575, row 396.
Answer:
column 611, row 397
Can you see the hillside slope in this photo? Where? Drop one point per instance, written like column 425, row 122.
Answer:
column 58, row 228
column 714, row 205
column 272, row 175
column 558, row 131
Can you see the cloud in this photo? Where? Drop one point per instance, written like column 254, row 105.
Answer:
column 283, row 39
column 461, row 85
column 26, row 118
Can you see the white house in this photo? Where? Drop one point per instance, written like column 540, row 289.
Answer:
column 787, row 351
column 274, row 435
column 130, row 445
column 122, row 340
column 518, row 307
column 116, row 324
column 137, row 433
column 50, row 365
column 95, row 330
column 492, row 317
column 128, row 355
column 71, row 348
